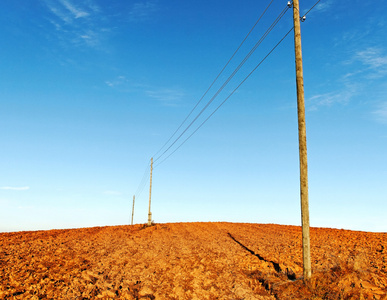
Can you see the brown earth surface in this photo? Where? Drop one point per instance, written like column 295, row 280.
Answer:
column 191, row 261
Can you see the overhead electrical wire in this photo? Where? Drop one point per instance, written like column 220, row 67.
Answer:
column 216, row 78
column 143, row 182
column 303, row 18
column 228, row 79
column 256, row 67
column 146, row 176
column 312, row 8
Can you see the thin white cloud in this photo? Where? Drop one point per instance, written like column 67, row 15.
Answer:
column 66, row 10
column 381, row 113
column 323, row 6
column 90, row 37
column 76, row 22
column 142, row 11
column 374, row 59
column 56, row 25
column 59, row 12
column 168, row 97
column 76, row 12
column 126, row 85
column 23, row 188
column 365, row 65
column 337, row 97
column 119, row 81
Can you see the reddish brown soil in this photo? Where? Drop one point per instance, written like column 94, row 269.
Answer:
column 191, row 261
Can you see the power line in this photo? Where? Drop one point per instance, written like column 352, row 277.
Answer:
column 256, row 67
column 143, row 181
column 141, row 188
column 146, row 176
column 234, row 89
column 229, row 78
column 216, row 78
column 311, row 8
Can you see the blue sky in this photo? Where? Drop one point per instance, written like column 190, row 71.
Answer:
column 90, row 90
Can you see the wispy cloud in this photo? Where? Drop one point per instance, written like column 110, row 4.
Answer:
column 381, row 113
column 76, row 21
column 66, row 11
column 374, row 59
column 323, row 6
column 364, row 66
column 12, row 188
column 76, row 12
column 126, row 85
column 331, row 98
column 118, row 81
column 142, row 11
column 168, row 97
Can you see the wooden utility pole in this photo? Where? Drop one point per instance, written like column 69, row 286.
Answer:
column 302, row 143
column 150, row 194
column 133, row 209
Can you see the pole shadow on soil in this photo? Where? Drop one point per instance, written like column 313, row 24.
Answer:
column 276, row 266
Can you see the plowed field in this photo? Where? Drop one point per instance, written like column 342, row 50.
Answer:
column 191, row 261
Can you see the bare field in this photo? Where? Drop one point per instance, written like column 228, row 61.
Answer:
column 191, row 261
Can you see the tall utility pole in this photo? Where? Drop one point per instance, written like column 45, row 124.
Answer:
column 302, row 144
column 150, row 195
column 133, row 209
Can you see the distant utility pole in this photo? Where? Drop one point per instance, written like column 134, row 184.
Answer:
column 150, row 194
column 302, row 143
column 133, row 208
